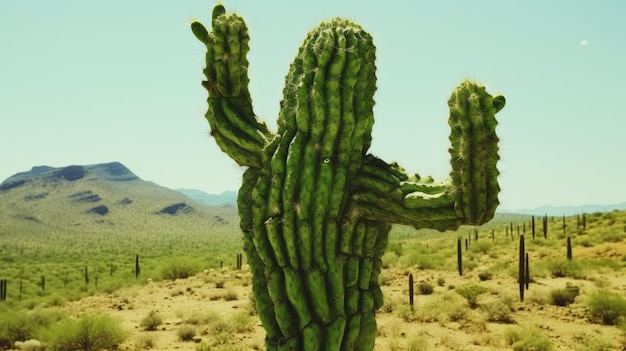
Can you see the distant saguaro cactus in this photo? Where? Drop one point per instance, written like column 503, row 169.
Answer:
column 315, row 208
column 411, row 290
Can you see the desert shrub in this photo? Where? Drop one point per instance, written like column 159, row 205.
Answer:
column 471, row 294
column 231, row 294
column 485, row 276
column 443, row 308
column 186, row 333
column 389, row 259
column 482, row 247
column 498, row 312
column 202, row 318
column 179, row 269
column 243, row 322
column 23, row 326
column 425, row 288
column 441, row 281
column 526, row 338
column 88, row 333
column 607, row 307
column 565, row 296
column 416, row 343
column 18, row 328
column 151, row 322
column 564, row 268
column 145, row 342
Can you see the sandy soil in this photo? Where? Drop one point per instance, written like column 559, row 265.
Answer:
column 220, row 295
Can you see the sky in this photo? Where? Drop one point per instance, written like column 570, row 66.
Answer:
column 86, row 82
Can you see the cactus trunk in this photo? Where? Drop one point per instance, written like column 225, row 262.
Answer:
column 315, row 208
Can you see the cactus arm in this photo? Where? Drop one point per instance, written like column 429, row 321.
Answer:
column 385, row 192
column 233, row 123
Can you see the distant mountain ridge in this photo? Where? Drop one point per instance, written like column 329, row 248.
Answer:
column 203, row 198
column 567, row 210
column 113, row 171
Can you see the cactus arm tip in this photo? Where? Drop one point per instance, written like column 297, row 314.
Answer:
column 230, row 115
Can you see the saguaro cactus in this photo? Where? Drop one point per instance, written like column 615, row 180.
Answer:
column 315, row 208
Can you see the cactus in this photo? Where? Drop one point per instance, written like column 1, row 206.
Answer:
column 569, row 248
column 3, row 289
column 521, row 276
column 137, row 269
column 459, row 256
column 411, row 290
column 315, row 208
column 527, row 273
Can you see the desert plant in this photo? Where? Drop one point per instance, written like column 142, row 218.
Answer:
column 498, row 312
column 137, row 269
column 521, row 275
column 425, row 288
column 88, row 333
column 471, row 293
column 243, row 322
column 315, row 208
column 145, row 342
column 411, row 291
column 459, row 256
column 565, row 296
column 179, row 269
column 151, row 322
column 485, row 276
column 569, row 248
column 607, row 308
column 186, row 333
column 527, row 338
column 563, row 268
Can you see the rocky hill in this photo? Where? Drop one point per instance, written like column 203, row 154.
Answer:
column 99, row 198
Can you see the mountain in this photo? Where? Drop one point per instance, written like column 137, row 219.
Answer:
column 225, row 198
column 100, row 198
column 567, row 210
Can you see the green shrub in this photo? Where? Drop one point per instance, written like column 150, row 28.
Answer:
column 525, row 338
column 416, row 343
column 243, row 322
column 88, row 333
column 485, row 276
column 425, row 288
column 179, row 269
column 564, row 297
column 151, row 322
column 498, row 312
column 186, row 333
column 564, row 268
column 145, row 342
column 607, row 308
column 471, row 294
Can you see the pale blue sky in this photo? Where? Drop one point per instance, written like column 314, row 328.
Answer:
column 84, row 82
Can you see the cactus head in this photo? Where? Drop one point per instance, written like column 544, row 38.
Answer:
column 329, row 91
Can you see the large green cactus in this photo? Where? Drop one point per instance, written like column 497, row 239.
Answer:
column 315, row 208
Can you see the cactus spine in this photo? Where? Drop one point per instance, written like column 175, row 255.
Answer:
column 315, row 208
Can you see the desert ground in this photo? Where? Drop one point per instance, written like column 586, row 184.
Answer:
column 217, row 306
